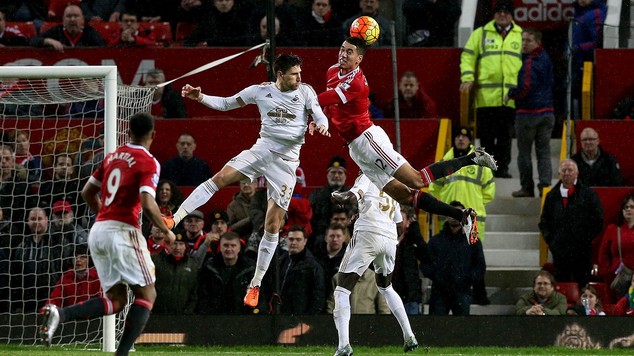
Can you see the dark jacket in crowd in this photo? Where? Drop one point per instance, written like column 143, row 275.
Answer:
column 452, row 263
column 222, row 288
column 172, row 105
column 176, row 284
column 534, row 92
column 569, row 230
column 327, row 34
column 185, row 173
column 322, row 208
column 410, row 251
column 89, row 37
column 302, row 286
column 330, row 265
column 605, row 172
column 433, row 23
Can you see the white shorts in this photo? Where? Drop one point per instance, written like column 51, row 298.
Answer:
column 279, row 173
column 373, row 152
column 119, row 252
column 366, row 247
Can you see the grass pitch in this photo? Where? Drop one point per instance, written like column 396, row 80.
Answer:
column 307, row 350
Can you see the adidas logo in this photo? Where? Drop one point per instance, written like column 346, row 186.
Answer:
column 269, row 95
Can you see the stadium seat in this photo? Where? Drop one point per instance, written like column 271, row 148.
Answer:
column 183, row 29
column 57, row 7
column 162, row 31
column 106, row 29
column 48, row 25
column 603, row 292
column 26, row 28
column 570, row 290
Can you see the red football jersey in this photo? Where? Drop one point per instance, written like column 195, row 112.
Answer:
column 123, row 176
column 352, row 117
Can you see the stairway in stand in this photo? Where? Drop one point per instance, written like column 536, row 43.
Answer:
column 511, row 246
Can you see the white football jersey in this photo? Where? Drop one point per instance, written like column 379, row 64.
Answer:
column 284, row 115
column 378, row 212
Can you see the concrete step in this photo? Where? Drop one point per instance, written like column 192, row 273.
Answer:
column 510, row 277
column 511, row 222
column 504, row 187
column 484, row 310
column 514, row 206
column 512, row 258
column 510, row 240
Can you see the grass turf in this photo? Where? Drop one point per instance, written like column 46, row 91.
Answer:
column 306, row 350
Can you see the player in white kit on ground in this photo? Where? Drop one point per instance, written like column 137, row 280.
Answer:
column 374, row 241
column 124, row 183
column 284, row 109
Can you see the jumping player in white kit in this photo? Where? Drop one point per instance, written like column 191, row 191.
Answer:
column 124, row 183
column 346, row 101
column 374, row 241
column 284, row 109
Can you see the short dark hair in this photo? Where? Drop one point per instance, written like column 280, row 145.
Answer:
column 545, row 274
column 298, row 228
column 359, row 43
column 286, row 61
column 620, row 219
column 141, row 124
column 536, row 34
column 336, row 226
column 230, row 235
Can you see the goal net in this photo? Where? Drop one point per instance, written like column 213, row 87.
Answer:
column 57, row 122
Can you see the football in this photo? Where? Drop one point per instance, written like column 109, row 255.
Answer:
column 366, row 28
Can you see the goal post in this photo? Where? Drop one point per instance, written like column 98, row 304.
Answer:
column 65, row 112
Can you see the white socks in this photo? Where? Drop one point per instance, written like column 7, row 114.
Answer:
column 266, row 251
column 198, row 197
column 395, row 304
column 341, row 314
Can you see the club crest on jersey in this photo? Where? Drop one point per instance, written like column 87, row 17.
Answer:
column 295, row 99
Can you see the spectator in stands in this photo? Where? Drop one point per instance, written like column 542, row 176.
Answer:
column 23, row 156
column 320, row 197
column 534, row 114
column 375, row 111
column 131, row 36
column 9, row 233
column 410, row 252
column 27, row 10
column 572, row 216
column 365, row 297
column 186, row 169
column 625, row 305
column 474, row 186
column 166, row 103
column 413, row 101
column 344, row 9
column 222, row 27
column 35, row 264
column 155, row 239
column 587, row 35
column 168, row 197
column 151, row 10
column 219, row 225
column 617, row 245
column 64, row 226
column 371, row 8
column 282, row 36
column 493, row 68
column 103, row 10
column 14, row 191
column 176, row 280
column 10, row 36
column 299, row 210
column 64, row 185
column 78, row 284
column 238, row 209
column 331, row 254
column 431, row 23
column 544, row 299
column 321, row 26
column 597, row 167
column 224, row 279
column 193, row 11
column 287, row 16
column 73, row 32
column 588, row 304
column 453, row 265
column 193, row 233
column 302, row 287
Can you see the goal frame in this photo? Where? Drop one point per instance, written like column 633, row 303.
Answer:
column 109, row 75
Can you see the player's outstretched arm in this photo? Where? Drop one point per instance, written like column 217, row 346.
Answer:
column 90, row 193
column 193, row 93
column 152, row 211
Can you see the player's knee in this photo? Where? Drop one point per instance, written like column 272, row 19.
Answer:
column 383, row 282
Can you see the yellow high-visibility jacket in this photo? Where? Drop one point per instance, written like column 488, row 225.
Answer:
column 473, row 186
column 492, row 63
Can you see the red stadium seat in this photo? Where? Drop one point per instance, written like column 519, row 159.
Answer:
column 183, row 29
column 162, row 31
column 57, row 8
column 570, row 290
column 106, row 29
column 603, row 292
column 26, row 28
column 48, row 25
